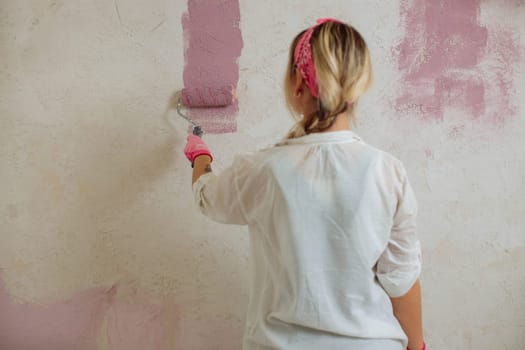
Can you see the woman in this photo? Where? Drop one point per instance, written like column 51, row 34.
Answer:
column 332, row 220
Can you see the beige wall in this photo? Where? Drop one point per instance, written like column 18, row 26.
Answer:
column 96, row 210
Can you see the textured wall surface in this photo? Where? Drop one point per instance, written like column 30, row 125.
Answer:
column 100, row 245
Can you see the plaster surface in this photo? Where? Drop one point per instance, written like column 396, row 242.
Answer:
column 100, row 244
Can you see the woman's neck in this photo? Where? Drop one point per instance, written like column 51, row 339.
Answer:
column 341, row 123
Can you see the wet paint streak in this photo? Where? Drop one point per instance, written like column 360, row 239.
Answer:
column 442, row 61
column 213, row 44
column 63, row 325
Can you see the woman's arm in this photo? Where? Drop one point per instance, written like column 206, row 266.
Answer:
column 199, row 155
column 217, row 196
column 201, row 166
column 407, row 310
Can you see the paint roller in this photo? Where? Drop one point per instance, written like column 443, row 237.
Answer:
column 204, row 97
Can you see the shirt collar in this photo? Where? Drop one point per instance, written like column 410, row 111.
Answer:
column 340, row 136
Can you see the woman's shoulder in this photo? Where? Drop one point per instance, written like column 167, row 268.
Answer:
column 254, row 158
column 385, row 156
column 260, row 160
column 385, row 159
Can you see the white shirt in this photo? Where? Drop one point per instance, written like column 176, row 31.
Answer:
column 332, row 224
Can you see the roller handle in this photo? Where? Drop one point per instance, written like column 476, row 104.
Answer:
column 197, row 131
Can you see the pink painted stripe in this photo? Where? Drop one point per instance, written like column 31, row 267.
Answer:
column 213, row 44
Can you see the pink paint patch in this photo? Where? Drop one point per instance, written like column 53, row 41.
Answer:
column 213, row 44
column 135, row 325
column 443, row 59
column 63, row 325
column 503, row 56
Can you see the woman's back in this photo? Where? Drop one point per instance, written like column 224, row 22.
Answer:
column 325, row 221
column 320, row 210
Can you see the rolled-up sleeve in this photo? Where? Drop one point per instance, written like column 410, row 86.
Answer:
column 218, row 196
column 399, row 266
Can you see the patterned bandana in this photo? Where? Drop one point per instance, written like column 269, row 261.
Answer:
column 303, row 56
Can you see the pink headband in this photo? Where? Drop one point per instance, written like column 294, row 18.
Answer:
column 303, row 56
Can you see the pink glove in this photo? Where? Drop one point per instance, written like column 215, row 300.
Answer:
column 195, row 147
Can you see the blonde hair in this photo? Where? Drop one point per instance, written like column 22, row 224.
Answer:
column 343, row 72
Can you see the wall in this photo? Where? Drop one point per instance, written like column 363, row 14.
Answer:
column 101, row 247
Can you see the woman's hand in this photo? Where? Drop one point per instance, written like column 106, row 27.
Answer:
column 196, row 147
column 199, row 155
